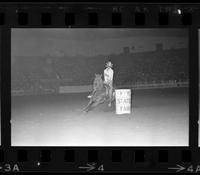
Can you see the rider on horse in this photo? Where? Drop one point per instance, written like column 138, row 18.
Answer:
column 108, row 80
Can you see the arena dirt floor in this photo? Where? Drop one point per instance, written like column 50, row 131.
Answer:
column 159, row 117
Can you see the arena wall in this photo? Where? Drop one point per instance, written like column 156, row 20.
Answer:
column 79, row 89
column 88, row 88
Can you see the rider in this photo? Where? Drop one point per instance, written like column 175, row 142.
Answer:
column 108, row 78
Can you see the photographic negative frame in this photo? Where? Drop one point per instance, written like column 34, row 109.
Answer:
column 98, row 158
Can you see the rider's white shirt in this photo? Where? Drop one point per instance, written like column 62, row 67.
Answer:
column 108, row 75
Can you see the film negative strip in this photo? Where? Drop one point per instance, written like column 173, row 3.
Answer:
column 99, row 87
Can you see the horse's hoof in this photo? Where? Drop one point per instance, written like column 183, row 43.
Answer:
column 85, row 112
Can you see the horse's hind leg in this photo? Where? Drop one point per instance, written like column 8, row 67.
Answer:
column 96, row 103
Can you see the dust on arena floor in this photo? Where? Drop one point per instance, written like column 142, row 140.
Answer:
column 159, row 117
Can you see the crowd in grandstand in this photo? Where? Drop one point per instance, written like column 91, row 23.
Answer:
column 133, row 68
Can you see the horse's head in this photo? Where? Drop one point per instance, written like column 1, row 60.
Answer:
column 98, row 82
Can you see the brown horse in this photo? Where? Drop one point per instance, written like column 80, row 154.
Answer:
column 99, row 94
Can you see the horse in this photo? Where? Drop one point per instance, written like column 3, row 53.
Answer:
column 99, row 94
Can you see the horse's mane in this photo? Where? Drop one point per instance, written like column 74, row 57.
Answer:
column 98, row 82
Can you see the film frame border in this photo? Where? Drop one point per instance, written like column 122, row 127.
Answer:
column 125, row 159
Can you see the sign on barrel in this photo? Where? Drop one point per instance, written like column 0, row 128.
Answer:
column 123, row 101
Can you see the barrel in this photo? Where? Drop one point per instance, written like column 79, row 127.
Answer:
column 123, row 101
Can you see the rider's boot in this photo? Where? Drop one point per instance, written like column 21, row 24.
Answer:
column 110, row 96
column 107, row 91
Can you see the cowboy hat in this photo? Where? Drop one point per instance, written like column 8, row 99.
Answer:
column 109, row 64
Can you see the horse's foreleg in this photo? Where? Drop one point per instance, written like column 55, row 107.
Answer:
column 87, row 108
